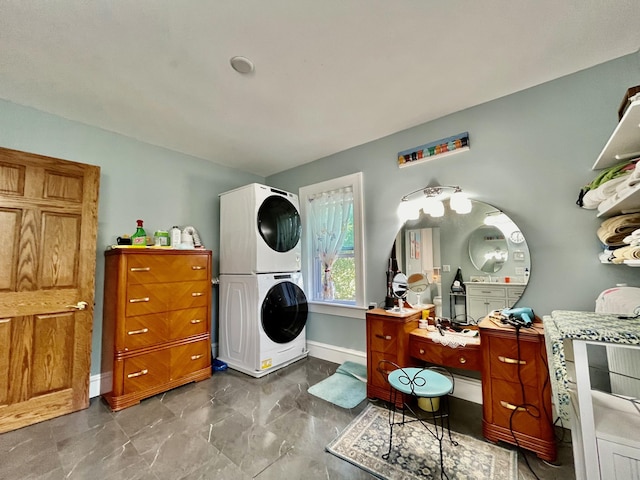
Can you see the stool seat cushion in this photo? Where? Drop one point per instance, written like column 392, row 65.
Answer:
column 426, row 383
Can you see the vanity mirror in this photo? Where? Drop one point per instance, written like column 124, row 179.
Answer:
column 485, row 244
column 399, row 288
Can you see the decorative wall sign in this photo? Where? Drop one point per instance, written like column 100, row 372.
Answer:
column 446, row 146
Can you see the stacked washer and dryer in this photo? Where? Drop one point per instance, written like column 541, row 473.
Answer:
column 263, row 309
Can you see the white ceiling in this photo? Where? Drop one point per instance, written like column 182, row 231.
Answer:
column 329, row 74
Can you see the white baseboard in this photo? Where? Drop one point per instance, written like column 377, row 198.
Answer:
column 466, row 388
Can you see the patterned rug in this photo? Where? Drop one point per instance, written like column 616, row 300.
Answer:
column 415, row 454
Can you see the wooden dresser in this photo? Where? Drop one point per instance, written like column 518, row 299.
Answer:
column 387, row 339
column 507, row 361
column 156, row 321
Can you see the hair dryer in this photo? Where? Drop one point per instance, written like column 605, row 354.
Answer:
column 519, row 317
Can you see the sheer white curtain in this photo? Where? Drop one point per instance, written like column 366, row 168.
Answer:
column 329, row 213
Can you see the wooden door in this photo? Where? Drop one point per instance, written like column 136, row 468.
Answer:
column 48, row 225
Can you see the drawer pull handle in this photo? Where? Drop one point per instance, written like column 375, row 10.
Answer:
column 5, row 320
column 138, row 300
column 510, row 406
column 137, row 332
column 141, row 269
column 511, row 360
column 422, row 351
column 197, row 267
column 462, row 360
column 195, row 321
column 383, row 337
column 138, row 374
column 196, row 357
column 197, row 294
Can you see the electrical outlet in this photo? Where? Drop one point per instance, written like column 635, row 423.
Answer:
column 446, row 268
column 519, row 270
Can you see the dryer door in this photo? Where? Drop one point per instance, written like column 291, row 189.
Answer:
column 279, row 223
column 284, row 312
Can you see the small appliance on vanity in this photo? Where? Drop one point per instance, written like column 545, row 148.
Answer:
column 263, row 309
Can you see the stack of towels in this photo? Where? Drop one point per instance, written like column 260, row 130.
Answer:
column 621, row 237
column 611, row 186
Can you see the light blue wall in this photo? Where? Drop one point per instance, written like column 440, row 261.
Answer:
column 530, row 154
column 137, row 180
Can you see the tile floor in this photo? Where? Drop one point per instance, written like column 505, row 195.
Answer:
column 230, row 426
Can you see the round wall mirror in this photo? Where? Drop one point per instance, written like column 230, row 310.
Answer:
column 488, row 249
column 437, row 247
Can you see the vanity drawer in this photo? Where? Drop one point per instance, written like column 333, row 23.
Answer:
column 486, row 291
column 377, row 378
column 467, row 358
column 384, row 336
column 506, row 398
column 503, row 358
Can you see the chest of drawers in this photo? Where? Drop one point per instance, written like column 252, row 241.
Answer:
column 387, row 339
column 516, row 392
column 156, row 321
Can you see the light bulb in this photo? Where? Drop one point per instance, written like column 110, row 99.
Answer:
column 408, row 211
column 438, row 209
column 460, row 202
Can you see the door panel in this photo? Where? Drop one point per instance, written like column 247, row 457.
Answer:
column 48, row 226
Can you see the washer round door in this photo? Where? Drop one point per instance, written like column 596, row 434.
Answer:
column 279, row 223
column 284, row 312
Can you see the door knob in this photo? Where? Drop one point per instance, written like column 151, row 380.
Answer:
column 78, row 306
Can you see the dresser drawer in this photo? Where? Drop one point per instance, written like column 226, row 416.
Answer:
column 189, row 358
column 146, row 371
column 505, row 403
column 144, row 331
column 384, row 336
column 145, row 299
column 188, row 322
column 166, row 268
column 188, row 294
column 514, row 293
column 505, row 363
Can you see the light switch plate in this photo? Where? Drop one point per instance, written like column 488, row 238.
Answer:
column 446, row 268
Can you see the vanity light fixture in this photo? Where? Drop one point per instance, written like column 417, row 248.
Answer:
column 430, row 202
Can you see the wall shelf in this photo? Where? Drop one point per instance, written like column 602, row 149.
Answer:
column 624, row 142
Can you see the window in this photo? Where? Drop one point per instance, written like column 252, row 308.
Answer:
column 332, row 235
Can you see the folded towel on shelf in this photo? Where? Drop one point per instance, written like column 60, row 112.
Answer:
column 604, row 176
column 593, row 198
column 630, row 252
column 613, row 230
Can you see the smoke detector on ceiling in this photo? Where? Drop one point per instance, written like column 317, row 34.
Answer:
column 242, row 64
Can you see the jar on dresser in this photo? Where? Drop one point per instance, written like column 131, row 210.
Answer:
column 156, row 321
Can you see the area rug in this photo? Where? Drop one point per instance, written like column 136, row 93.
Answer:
column 345, row 388
column 415, row 454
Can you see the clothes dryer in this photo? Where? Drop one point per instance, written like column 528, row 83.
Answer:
column 262, row 321
column 260, row 230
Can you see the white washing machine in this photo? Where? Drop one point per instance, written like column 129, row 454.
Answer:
column 260, row 230
column 262, row 321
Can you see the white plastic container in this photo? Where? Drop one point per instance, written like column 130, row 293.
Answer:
column 176, row 236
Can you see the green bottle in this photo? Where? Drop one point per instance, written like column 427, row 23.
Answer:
column 139, row 239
